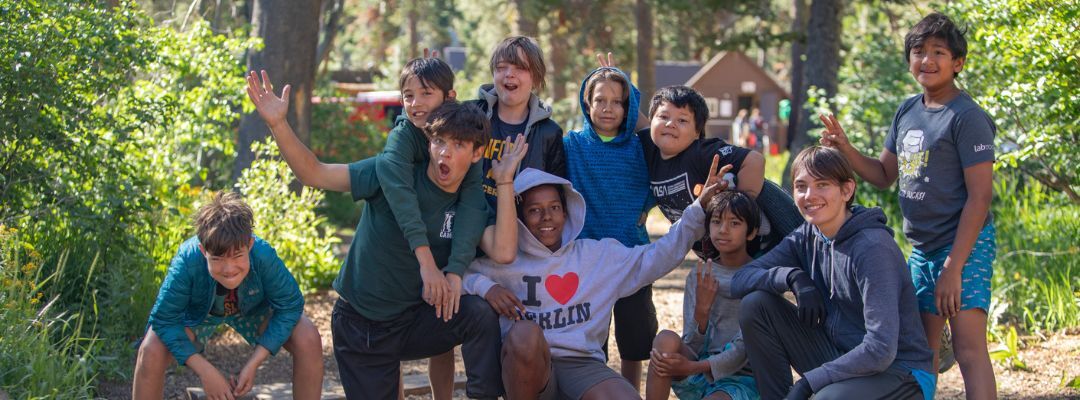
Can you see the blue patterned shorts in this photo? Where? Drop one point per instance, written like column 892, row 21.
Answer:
column 926, row 267
column 247, row 326
column 738, row 387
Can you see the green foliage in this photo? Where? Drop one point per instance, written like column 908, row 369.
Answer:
column 1008, row 353
column 339, row 135
column 42, row 353
column 1034, row 274
column 287, row 219
column 1021, row 67
column 111, row 130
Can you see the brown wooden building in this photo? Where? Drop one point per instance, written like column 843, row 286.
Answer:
column 731, row 81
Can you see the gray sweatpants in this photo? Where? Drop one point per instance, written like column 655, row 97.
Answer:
column 777, row 341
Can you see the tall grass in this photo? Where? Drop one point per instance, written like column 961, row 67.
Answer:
column 1035, row 275
column 42, row 352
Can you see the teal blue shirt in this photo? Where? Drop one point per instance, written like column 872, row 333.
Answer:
column 381, row 277
column 186, row 296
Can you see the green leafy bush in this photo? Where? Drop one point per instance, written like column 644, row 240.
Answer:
column 287, row 219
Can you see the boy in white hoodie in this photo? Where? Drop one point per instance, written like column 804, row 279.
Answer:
column 555, row 300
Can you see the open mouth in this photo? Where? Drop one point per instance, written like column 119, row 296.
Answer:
column 444, row 171
column 812, row 207
column 510, row 87
column 419, row 114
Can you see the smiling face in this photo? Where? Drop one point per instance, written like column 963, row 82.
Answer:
column 513, row 82
column 672, row 129
column 450, row 161
column 419, row 101
column 607, row 109
column 823, row 202
column 729, row 233
column 544, row 215
column 229, row 269
column 933, row 65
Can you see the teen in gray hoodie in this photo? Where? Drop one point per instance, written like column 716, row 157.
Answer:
column 556, row 298
column 860, row 335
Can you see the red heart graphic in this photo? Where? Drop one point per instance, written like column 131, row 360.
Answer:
column 562, row 288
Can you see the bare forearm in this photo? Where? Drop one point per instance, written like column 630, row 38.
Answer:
column 869, row 169
column 258, row 356
column 308, row 169
column 500, row 243
column 972, row 219
column 200, row 365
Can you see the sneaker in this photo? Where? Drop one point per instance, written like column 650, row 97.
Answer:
column 946, row 358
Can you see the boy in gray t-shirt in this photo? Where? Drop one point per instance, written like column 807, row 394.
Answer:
column 941, row 148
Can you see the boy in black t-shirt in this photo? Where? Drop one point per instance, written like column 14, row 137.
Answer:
column 678, row 156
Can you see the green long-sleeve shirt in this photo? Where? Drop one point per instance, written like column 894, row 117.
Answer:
column 381, row 277
column 407, row 148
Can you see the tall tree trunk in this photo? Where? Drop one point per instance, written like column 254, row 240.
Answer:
column 821, row 68
column 525, row 25
column 414, row 40
column 290, row 33
column 559, row 58
column 646, row 57
column 798, row 50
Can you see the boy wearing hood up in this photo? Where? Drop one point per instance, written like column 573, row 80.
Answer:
column 605, row 162
column 556, row 298
column 856, row 332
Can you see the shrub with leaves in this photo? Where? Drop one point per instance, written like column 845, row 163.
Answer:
column 287, row 219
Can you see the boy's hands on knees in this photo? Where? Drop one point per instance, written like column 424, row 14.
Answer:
column 948, row 291
column 811, row 304
column 834, row 135
column 503, row 170
column 504, row 302
column 674, row 364
column 715, row 182
column 453, row 300
column 707, row 286
column 271, row 108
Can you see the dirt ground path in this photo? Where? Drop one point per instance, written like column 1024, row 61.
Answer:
column 1049, row 360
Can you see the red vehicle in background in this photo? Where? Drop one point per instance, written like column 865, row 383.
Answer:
column 384, row 105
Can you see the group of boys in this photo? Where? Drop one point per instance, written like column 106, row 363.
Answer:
column 558, row 222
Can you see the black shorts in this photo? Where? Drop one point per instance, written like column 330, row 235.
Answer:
column 635, row 325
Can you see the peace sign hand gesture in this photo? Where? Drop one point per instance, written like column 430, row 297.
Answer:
column 714, row 183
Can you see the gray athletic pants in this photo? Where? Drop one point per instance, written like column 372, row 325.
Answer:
column 777, row 341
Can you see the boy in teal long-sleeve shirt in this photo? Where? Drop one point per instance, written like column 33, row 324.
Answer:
column 225, row 275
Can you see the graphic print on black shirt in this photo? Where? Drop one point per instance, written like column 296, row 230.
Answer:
column 673, row 195
column 676, row 182
column 502, row 135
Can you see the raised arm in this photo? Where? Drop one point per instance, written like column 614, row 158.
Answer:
column 880, row 172
column 500, row 240
column 752, row 174
column 308, row 169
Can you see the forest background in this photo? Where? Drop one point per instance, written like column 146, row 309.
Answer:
column 119, row 118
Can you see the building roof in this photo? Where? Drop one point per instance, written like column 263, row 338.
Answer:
column 739, row 60
column 675, row 72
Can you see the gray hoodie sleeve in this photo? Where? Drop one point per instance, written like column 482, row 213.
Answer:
column 650, row 262
column 729, row 361
column 770, row 272
column 878, row 272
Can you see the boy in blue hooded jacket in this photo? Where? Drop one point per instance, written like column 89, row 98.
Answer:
column 606, row 163
column 226, row 275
